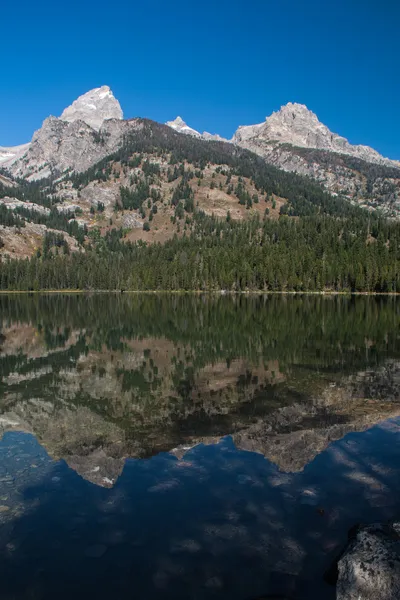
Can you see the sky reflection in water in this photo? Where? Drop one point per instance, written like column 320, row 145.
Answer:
column 110, row 504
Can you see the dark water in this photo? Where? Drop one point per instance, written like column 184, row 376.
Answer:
column 192, row 447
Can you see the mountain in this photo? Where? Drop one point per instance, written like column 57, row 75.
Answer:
column 295, row 140
column 296, row 125
column 88, row 130
column 116, row 182
column 115, row 191
column 292, row 139
column 60, row 146
column 221, row 216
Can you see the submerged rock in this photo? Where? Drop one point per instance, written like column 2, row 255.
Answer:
column 369, row 568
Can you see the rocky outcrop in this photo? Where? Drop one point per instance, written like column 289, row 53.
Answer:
column 369, row 569
column 25, row 241
column 296, row 125
column 14, row 203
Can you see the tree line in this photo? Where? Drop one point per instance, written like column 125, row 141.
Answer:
column 312, row 253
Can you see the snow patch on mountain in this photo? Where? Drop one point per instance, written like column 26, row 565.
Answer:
column 181, row 127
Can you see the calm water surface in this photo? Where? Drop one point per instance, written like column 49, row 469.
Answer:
column 192, row 447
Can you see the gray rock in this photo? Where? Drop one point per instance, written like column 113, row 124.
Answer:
column 95, row 193
column 60, row 146
column 14, row 203
column 93, row 108
column 11, row 154
column 295, row 124
column 130, row 221
column 369, row 569
column 87, row 131
column 213, row 136
column 282, row 136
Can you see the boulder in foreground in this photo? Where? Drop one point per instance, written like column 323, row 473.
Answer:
column 369, row 569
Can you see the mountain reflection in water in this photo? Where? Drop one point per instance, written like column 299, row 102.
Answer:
column 192, row 447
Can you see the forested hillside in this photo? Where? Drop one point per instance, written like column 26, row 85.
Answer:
column 311, row 253
column 172, row 212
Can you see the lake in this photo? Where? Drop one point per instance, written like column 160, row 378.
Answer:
column 192, row 447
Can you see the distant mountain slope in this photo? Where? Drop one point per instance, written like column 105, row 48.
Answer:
column 9, row 155
column 295, row 140
column 152, row 185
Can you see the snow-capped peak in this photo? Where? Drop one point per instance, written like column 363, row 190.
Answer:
column 181, row 127
column 94, row 108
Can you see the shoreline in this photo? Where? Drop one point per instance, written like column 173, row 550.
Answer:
column 202, row 292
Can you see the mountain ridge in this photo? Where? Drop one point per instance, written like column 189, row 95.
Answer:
column 149, row 179
column 292, row 124
column 296, row 125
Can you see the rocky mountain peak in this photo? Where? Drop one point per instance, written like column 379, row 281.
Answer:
column 179, row 122
column 296, row 125
column 181, row 127
column 94, row 108
column 296, row 119
column 295, row 109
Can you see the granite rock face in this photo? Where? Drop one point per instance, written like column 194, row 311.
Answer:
column 293, row 139
column 59, row 146
column 87, row 131
column 296, row 125
column 93, row 108
column 369, row 569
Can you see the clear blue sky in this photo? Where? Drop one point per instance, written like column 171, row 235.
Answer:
column 217, row 63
